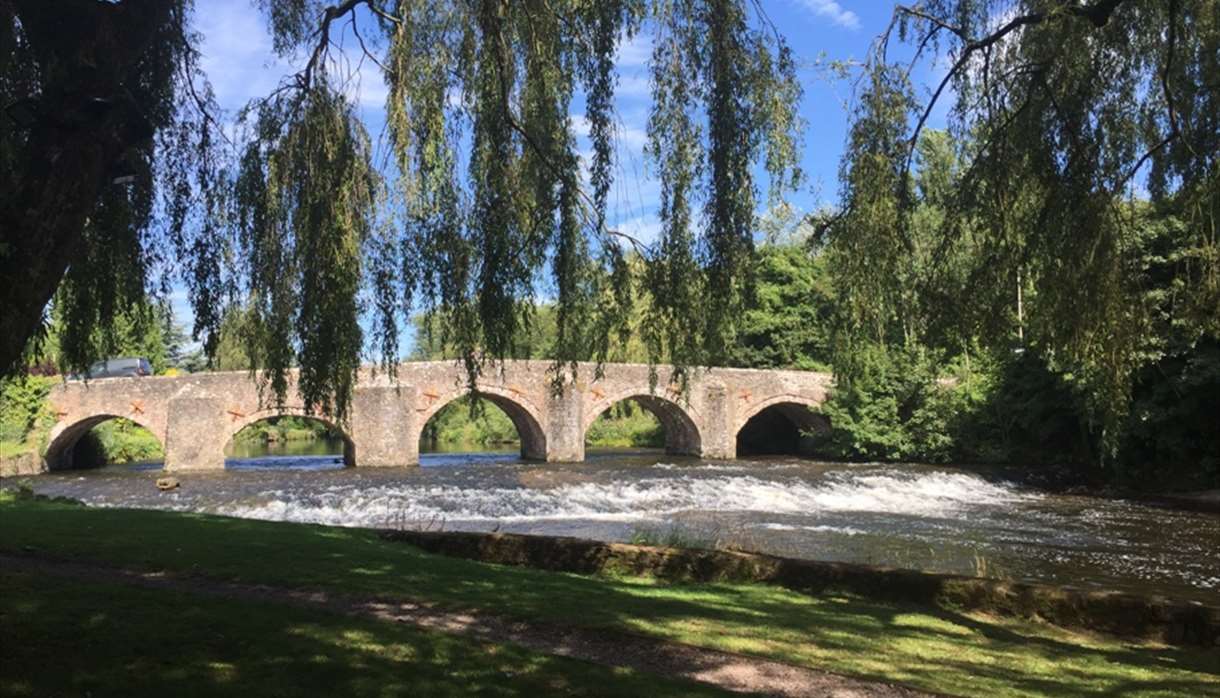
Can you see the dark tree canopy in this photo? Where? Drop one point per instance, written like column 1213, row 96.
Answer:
column 120, row 177
column 1076, row 127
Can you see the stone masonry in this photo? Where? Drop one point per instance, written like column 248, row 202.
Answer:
column 196, row 415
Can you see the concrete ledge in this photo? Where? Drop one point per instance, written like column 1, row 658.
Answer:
column 1114, row 613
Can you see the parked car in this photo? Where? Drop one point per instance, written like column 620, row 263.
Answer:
column 116, row 368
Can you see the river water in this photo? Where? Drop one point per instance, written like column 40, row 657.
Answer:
column 930, row 518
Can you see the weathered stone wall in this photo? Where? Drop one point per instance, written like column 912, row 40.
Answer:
column 28, row 463
column 195, row 416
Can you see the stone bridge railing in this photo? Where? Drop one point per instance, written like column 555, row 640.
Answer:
column 196, row 415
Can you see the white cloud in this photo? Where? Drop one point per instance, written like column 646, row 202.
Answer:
column 628, row 136
column 236, row 52
column 635, row 52
column 829, row 9
column 646, row 229
column 633, row 85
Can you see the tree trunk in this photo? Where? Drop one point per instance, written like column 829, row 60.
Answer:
column 80, row 125
column 42, row 225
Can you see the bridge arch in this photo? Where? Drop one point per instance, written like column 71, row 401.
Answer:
column 683, row 434
column 64, row 437
column 525, row 416
column 780, row 424
column 241, row 422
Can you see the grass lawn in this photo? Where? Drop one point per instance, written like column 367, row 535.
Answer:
column 929, row 648
column 64, row 637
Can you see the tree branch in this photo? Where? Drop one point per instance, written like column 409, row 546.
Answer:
column 1098, row 14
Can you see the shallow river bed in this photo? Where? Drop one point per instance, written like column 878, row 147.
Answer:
column 930, row 518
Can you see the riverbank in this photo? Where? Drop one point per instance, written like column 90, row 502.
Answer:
column 1072, row 480
column 928, row 648
column 1128, row 616
column 938, row 520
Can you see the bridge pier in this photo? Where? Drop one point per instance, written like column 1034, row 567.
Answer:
column 381, row 427
column 719, row 434
column 565, row 439
column 195, row 434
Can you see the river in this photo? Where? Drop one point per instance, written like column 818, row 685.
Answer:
column 930, row 518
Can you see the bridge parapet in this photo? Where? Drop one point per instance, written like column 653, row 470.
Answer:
column 195, row 416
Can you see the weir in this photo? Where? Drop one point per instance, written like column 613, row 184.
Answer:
column 194, row 416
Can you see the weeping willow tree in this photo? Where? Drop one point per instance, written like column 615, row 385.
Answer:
column 1077, row 122
column 119, row 177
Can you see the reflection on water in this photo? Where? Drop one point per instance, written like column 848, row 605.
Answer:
column 931, row 518
column 240, row 451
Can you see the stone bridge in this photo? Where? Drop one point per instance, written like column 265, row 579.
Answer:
column 196, row 415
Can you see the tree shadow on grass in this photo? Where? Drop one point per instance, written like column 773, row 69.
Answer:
column 62, row 637
column 923, row 645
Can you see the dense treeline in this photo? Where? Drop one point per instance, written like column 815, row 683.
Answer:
column 1063, row 229
column 944, row 355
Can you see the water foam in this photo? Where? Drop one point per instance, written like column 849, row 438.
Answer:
column 843, row 530
column 938, row 494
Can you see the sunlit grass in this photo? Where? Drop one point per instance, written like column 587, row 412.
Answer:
column 930, row 648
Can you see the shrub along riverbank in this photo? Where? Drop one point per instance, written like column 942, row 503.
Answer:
column 926, row 647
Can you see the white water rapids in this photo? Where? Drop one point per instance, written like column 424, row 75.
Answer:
column 938, row 519
column 922, row 494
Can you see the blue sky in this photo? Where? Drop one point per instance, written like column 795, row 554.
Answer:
column 241, row 65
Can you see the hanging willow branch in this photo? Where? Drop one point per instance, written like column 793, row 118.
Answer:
column 1071, row 117
column 486, row 204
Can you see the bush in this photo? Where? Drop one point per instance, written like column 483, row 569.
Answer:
column 1014, row 409
column 626, row 425
column 116, row 441
column 25, row 416
column 1028, row 414
column 673, row 536
column 458, row 425
column 1174, row 426
column 886, row 408
column 288, row 428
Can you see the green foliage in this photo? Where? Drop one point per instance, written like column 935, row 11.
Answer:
column 144, row 152
column 887, row 410
column 1063, row 113
column 673, row 536
column 626, row 424
column 1011, row 410
column 116, row 441
column 462, row 424
column 306, row 191
column 482, row 196
column 1029, row 414
column 288, row 428
column 1173, row 429
column 788, row 321
column 143, row 329
column 469, row 245
column 25, row 415
column 1020, row 409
